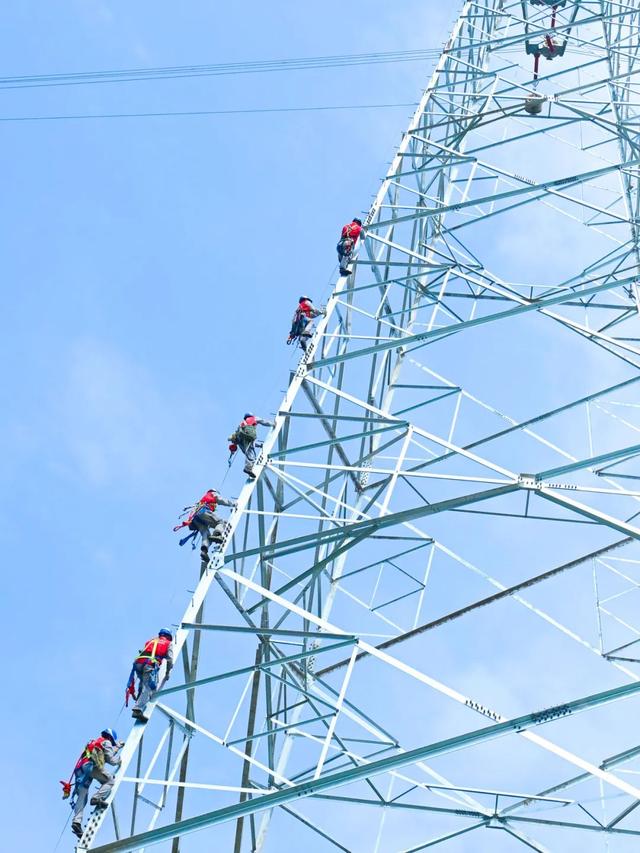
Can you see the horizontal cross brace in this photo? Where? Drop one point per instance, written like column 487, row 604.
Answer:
column 344, row 777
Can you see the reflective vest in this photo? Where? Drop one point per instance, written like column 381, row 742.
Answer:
column 154, row 651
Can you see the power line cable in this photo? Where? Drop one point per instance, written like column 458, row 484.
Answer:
column 228, row 68
column 129, row 75
column 182, row 113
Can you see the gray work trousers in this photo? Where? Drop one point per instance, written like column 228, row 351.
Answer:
column 250, row 454
column 306, row 333
column 345, row 251
column 209, row 523
column 106, row 780
column 147, row 677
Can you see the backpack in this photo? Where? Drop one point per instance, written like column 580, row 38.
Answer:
column 92, row 757
column 94, row 752
column 247, row 431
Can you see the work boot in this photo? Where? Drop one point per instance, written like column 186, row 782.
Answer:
column 99, row 804
column 344, row 271
column 137, row 714
column 204, row 553
column 76, row 828
column 250, row 474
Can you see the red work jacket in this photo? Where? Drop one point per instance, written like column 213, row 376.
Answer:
column 352, row 230
column 154, row 650
column 210, row 500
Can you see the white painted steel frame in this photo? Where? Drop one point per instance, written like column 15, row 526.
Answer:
column 329, row 560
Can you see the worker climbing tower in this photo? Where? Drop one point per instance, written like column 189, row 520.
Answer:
column 422, row 626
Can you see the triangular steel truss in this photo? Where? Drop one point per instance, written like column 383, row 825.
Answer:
column 452, row 488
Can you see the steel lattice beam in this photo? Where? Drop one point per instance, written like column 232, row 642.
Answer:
column 397, row 463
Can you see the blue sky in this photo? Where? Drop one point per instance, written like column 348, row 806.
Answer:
column 150, row 268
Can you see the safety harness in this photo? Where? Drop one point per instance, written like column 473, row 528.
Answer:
column 130, row 690
column 152, row 661
column 192, row 510
column 298, row 325
column 196, row 509
column 151, row 655
column 347, row 241
column 92, row 757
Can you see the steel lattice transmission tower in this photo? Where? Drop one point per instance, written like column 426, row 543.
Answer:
column 437, row 566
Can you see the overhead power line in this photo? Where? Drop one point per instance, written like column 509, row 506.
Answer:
column 129, row 75
column 81, row 116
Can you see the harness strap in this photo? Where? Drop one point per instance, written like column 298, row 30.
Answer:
column 131, row 687
column 151, row 657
